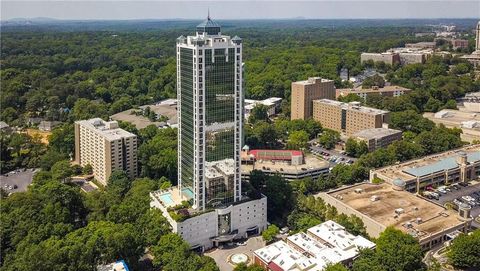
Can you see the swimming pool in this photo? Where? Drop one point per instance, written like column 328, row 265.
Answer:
column 166, row 199
column 188, row 192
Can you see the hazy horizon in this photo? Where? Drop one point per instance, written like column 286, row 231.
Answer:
column 238, row 10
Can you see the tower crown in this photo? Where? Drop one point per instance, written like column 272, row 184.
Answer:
column 208, row 27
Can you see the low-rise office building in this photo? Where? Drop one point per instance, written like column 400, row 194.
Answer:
column 459, row 43
column 413, row 55
column 422, row 45
column 322, row 245
column 389, row 58
column 453, row 166
column 389, row 91
column 106, row 147
column 384, row 205
column 290, row 164
column 348, row 118
column 305, row 92
column 272, row 104
column 468, row 121
column 378, row 137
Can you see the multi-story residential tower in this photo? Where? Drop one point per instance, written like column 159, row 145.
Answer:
column 210, row 113
column 304, row 92
column 348, row 118
column 106, row 147
column 208, row 207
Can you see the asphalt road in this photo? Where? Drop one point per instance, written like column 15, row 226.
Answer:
column 22, row 179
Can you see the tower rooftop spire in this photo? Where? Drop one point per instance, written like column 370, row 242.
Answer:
column 208, row 26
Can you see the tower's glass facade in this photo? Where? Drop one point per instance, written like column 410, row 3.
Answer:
column 209, row 82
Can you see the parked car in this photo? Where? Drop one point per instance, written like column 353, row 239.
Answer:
column 242, row 243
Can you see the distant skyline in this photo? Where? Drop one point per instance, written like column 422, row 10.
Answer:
column 133, row 10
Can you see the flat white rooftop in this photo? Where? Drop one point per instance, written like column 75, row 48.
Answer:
column 107, row 129
column 326, row 243
column 312, row 81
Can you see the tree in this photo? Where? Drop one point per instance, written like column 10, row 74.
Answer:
column 158, row 154
column 118, row 182
column 398, row 251
column 172, row 253
column 351, row 97
column 86, row 109
column 375, row 80
column 270, row 233
column 410, row 121
column 329, row 138
column 265, row 133
column 297, row 140
column 87, row 169
column 354, row 148
column 464, row 252
column 244, row 267
column 62, row 139
column 62, row 171
column 280, row 197
column 258, row 113
column 50, row 158
column 335, row 267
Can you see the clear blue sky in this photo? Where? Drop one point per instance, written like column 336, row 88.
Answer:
column 239, row 9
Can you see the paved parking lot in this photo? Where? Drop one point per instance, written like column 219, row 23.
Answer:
column 221, row 255
column 331, row 153
column 463, row 191
column 21, row 179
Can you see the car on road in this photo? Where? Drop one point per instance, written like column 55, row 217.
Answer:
column 463, row 184
column 241, row 243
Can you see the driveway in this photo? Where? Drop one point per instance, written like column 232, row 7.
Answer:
column 221, row 255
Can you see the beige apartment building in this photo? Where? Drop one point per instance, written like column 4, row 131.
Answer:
column 348, row 118
column 106, row 147
column 305, row 92
column 390, row 91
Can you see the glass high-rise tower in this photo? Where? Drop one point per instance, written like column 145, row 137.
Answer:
column 210, row 112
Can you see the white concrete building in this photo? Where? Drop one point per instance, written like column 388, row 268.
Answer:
column 324, row 244
column 204, row 230
column 272, row 104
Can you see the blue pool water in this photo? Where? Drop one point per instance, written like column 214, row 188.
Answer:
column 166, row 198
column 188, row 192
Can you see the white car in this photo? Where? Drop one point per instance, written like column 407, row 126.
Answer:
column 242, row 243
